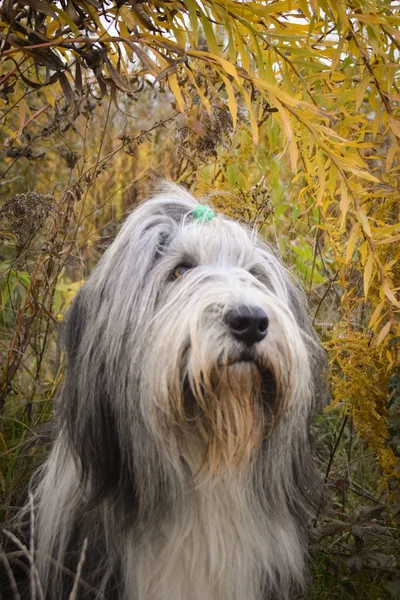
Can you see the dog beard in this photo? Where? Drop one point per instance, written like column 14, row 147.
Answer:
column 221, row 419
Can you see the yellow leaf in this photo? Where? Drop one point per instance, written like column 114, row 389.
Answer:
column 128, row 17
column 209, row 33
column 52, row 28
column 376, row 125
column 229, row 67
column 363, row 249
column 303, row 4
column 194, row 23
column 145, row 59
column 314, row 8
column 124, row 33
column 49, row 96
column 337, row 54
column 394, row 125
column 372, row 19
column 368, row 269
column 12, row 134
column 66, row 19
column 260, row 56
column 389, row 240
column 391, row 156
column 389, row 294
column 269, row 71
column 363, row 219
column 231, row 100
column 360, row 95
column 383, row 333
column 180, row 36
column 333, row 177
column 176, row 90
column 363, row 174
column 288, row 131
column 244, row 55
column 351, row 244
column 376, row 314
column 344, row 202
column 321, row 177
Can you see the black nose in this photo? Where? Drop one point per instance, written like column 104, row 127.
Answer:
column 249, row 324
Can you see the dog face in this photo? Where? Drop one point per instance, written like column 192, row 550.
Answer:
column 225, row 352
column 193, row 332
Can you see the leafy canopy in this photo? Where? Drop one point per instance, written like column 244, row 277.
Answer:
column 318, row 83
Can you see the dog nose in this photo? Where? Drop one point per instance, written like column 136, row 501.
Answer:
column 248, row 324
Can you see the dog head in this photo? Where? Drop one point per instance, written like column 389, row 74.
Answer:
column 189, row 340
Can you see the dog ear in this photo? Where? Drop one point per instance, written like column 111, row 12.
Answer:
column 99, row 405
column 74, row 326
column 85, row 412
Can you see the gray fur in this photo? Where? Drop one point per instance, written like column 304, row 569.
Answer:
column 184, row 484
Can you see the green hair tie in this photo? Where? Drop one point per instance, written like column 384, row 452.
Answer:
column 203, row 213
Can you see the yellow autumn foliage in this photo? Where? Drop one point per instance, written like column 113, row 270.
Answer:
column 289, row 109
column 359, row 383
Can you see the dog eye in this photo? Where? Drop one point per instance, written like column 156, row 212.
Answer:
column 179, row 271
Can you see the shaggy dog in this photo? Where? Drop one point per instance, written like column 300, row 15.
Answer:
column 183, row 466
